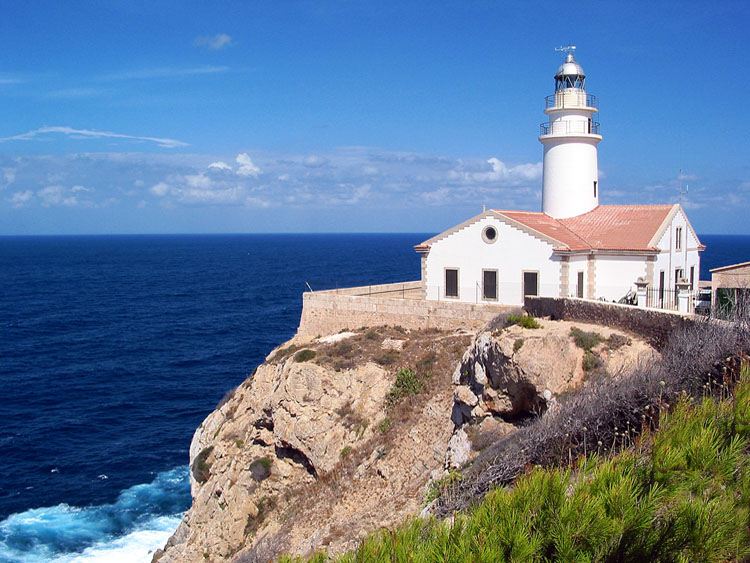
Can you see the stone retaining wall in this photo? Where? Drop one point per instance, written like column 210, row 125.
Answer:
column 654, row 325
column 328, row 312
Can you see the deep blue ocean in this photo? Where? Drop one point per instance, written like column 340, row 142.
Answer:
column 114, row 348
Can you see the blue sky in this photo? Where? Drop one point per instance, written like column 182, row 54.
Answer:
column 316, row 116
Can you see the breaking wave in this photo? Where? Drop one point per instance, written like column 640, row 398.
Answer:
column 128, row 530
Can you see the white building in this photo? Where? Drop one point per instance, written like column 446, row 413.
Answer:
column 574, row 246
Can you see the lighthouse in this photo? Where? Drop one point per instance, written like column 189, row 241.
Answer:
column 570, row 184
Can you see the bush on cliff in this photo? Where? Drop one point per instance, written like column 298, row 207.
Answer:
column 524, row 321
column 407, row 383
column 304, row 355
column 201, row 468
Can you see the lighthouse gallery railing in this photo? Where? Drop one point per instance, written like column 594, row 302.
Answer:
column 571, row 99
column 569, row 128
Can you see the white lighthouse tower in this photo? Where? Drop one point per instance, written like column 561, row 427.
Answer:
column 570, row 184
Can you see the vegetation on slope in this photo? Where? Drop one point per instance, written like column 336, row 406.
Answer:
column 647, row 465
column 677, row 494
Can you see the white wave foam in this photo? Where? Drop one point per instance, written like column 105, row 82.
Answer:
column 138, row 522
column 135, row 547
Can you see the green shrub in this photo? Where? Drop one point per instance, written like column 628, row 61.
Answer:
column 385, row 425
column 201, row 468
column 435, row 488
column 517, row 345
column 346, row 450
column 586, row 340
column 260, row 469
column 407, row 383
column 590, row 361
column 371, row 335
column 524, row 321
column 304, row 355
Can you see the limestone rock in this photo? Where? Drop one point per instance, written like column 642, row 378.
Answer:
column 280, row 439
column 459, row 449
column 515, row 373
column 393, row 344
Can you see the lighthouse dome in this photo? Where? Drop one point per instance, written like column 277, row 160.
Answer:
column 570, row 74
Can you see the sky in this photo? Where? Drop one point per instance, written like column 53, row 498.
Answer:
column 122, row 116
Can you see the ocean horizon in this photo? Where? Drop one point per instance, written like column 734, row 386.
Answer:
column 116, row 347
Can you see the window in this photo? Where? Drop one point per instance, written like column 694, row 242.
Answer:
column 451, row 282
column 579, row 285
column 661, row 286
column 595, row 182
column 678, row 274
column 489, row 234
column 531, row 283
column 678, row 238
column 489, row 284
column 692, row 278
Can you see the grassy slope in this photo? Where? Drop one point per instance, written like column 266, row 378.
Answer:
column 678, row 494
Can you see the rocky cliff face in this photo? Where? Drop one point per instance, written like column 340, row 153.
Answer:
column 510, row 374
column 316, row 453
column 333, row 439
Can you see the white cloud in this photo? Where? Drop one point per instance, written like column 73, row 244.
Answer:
column 164, row 72
column 19, row 199
column 75, row 189
column 88, row 133
column 214, row 42
column 198, row 181
column 314, row 161
column 9, row 176
column 57, row 195
column 247, row 168
column 219, row 165
column 502, row 173
column 73, row 93
column 161, row 189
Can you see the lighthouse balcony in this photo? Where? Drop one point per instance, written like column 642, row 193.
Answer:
column 571, row 98
column 559, row 128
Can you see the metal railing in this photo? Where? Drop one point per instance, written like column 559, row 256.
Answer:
column 569, row 127
column 662, row 298
column 570, row 99
column 397, row 290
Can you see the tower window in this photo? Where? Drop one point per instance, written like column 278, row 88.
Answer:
column 595, row 182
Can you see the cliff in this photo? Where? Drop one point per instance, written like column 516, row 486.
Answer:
column 334, row 438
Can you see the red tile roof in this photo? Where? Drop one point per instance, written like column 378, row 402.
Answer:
column 607, row 227
column 620, row 227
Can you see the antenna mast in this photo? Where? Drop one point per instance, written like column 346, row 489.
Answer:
column 687, row 187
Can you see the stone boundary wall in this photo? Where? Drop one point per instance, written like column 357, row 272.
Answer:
column 654, row 325
column 405, row 290
column 328, row 312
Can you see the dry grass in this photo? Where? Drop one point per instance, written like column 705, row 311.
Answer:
column 608, row 413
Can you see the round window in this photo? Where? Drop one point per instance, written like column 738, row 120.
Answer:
column 489, row 235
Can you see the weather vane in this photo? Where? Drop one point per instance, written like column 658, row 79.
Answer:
column 569, row 49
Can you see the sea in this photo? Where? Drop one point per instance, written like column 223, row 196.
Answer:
column 113, row 349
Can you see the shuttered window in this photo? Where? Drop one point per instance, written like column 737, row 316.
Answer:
column 489, row 284
column 530, row 283
column 451, row 282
